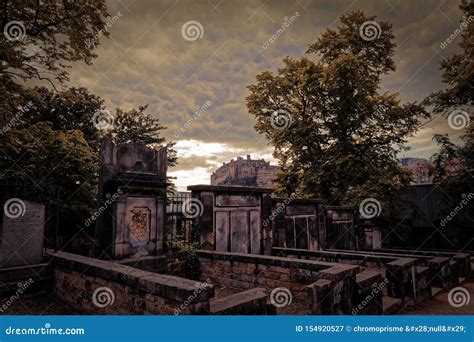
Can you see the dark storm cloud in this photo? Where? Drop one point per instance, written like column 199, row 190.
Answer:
column 147, row 60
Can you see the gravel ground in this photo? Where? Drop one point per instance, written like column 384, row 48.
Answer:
column 38, row 304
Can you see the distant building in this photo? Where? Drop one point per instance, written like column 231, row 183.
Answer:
column 245, row 172
column 419, row 168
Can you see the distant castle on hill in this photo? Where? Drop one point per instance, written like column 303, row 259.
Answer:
column 259, row 173
column 245, row 172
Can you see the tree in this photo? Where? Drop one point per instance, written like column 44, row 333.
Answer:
column 49, row 161
column 54, row 144
column 453, row 168
column 458, row 74
column 137, row 125
column 335, row 135
column 40, row 37
column 458, row 69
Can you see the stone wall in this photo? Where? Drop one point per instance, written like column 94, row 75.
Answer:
column 80, row 281
column 244, row 271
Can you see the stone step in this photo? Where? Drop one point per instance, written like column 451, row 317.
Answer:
column 252, row 301
column 435, row 290
column 391, row 305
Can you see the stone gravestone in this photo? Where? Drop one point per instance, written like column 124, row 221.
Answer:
column 132, row 198
column 21, row 233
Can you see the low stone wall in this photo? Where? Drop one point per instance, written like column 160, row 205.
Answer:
column 250, row 302
column 247, row 271
column 463, row 259
column 404, row 278
column 102, row 287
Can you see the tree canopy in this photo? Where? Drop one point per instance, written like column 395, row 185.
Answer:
column 335, row 134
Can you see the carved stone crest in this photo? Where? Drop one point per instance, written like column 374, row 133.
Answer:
column 140, row 224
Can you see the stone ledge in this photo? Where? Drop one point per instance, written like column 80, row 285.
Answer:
column 165, row 286
column 240, row 303
column 367, row 278
column 403, row 262
column 226, row 188
column 333, row 254
column 329, row 270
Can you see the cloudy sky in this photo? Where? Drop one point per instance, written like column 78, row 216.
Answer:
column 150, row 58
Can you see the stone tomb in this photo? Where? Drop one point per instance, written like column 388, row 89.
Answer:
column 22, row 234
column 231, row 218
column 132, row 196
column 298, row 223
column 342, row 228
